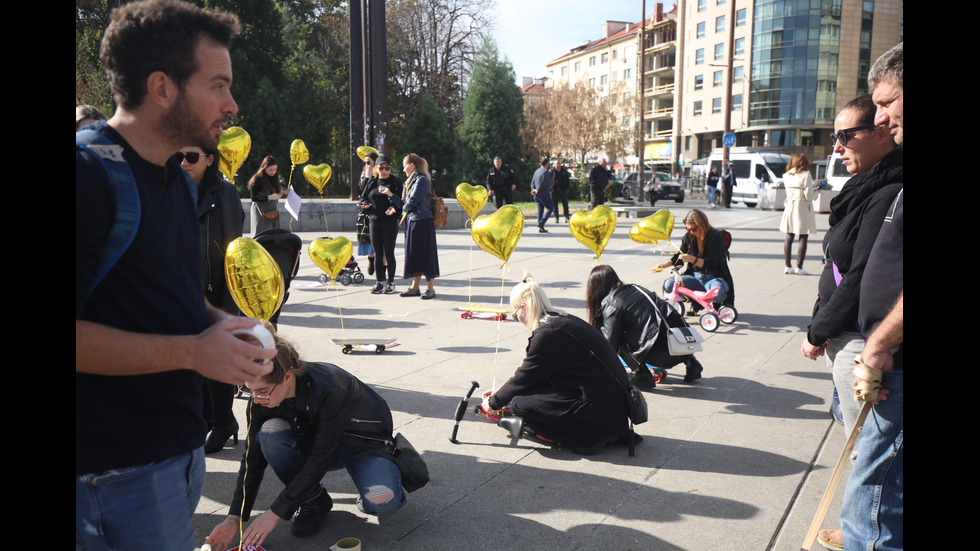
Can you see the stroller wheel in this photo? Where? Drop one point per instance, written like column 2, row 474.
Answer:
column 358, row 278
column 709, row 321
column 345, row 279
column 323, row 279
column 728, row 314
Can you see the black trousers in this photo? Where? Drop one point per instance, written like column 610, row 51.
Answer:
column 383, row 234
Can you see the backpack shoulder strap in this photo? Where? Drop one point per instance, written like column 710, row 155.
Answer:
column 125, row 195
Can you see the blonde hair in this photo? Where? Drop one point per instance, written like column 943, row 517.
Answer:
column 528, row 294
column 420, row 164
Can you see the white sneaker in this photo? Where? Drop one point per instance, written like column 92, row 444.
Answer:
column 801, row 271
column 787, row 270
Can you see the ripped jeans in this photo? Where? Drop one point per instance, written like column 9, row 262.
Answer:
column 378, row 480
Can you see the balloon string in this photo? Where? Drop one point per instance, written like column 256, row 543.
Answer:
column 500, row 321
column 340, row 313
column 469, row 280
column 248, row 441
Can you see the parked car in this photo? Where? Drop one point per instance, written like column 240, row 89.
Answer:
column 668, row 188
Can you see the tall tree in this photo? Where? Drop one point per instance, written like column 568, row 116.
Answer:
column 428, row 135
column 492, row 115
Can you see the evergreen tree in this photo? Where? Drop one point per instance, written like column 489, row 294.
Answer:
column 492, row 116
column 428, row 135
column 267, row 126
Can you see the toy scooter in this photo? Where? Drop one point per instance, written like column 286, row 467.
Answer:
column 680, row 296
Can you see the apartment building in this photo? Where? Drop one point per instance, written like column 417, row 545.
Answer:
column 794, row 64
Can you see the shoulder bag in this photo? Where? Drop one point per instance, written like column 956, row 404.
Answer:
column 414, row 471
column 681, row 341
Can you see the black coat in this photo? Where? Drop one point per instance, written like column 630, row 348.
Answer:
column 571, row 392
column 630, row 323
column 332, row 405
column 219, row 211
column 715, row 255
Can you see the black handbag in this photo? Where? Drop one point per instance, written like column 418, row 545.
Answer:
column 415, row 473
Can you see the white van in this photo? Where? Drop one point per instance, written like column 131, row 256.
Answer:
column 755, row 169
column 837, row 174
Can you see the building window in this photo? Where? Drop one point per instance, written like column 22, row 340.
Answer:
column 716, row 79
column 627, row 73
column 700, row 33
column 699, row 82
column 564, row 71
column 738, row 74
column 720, row 24
column 605, row 57
column 699, row 56
column 613, row 75
column 592, row 61
column 702, row 5
column 719, row 51
column 614, row 53
column 697, row 108
column 591, row 83
column 740, row 17
column 739, row 46
column 603, row 80
column 737, row 102
column 626, row 96
column 716, row 105
column 578, row 66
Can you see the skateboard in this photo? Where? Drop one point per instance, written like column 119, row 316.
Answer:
column 498, row 314
column 378, row 345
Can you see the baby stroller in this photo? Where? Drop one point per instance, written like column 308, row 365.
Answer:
column 350, row 272
column 285, row 249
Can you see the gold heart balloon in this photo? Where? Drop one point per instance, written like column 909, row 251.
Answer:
column 471, row 198
column 233, row 147
column 653, row 228
column 498, row 233
column 363, row 151
column 298, row 153
column 254, row 278
column 331, row 255
column 593, row 228
column 318, row 175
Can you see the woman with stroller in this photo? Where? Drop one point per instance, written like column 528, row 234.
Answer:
column 704, row 252
column 266, row 190
column 312, row 418
column 381, row 200
column 421, row 256
column 571, row 387
column 635, row 322
column 798, row 216
column 364, row 246
column 219, row 211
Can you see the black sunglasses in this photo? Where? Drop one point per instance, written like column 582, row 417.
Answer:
column 841, row 135
column 384, row 167
column 192, row 157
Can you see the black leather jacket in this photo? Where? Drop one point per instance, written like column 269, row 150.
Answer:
column 629, row 322
column 335, row 408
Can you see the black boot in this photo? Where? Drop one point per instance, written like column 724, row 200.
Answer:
column 311, row 513
column 694, row 369
column 643, row 379
column 219, row 437
column 370, row 265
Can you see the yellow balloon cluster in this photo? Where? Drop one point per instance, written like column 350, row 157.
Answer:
column 471, row 198
column 653, row 228
column 331, row 255
column 593, row 228
column 498, row 233
column 318, row 175
column 254, row 278
column 233, row 147
column 298, row 153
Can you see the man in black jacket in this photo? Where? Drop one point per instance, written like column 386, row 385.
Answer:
column 501, row 183
column 599, row 178
column 559, row 189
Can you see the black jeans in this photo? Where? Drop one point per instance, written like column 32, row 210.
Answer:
column 503, row 195
column 560, row 195
column 383, row 234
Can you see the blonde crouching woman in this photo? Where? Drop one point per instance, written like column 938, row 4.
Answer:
column 570, row 388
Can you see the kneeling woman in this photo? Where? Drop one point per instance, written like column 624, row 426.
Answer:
column 314, row 417
column 571, row 387
column 635, row 322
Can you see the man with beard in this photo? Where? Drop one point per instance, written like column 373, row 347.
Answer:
column 144, row 334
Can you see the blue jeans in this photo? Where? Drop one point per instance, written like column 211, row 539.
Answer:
column 711, row 195
column 378, row 480
column 545, row 205
column 701, row 281
column 136, row 507
column 872, row 513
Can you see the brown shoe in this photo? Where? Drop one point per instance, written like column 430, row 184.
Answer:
column 831, row 539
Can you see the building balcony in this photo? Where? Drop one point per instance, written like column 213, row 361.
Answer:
column 661, row 113
column 662, row 90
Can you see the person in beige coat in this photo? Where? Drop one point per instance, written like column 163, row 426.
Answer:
column 798, row 217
